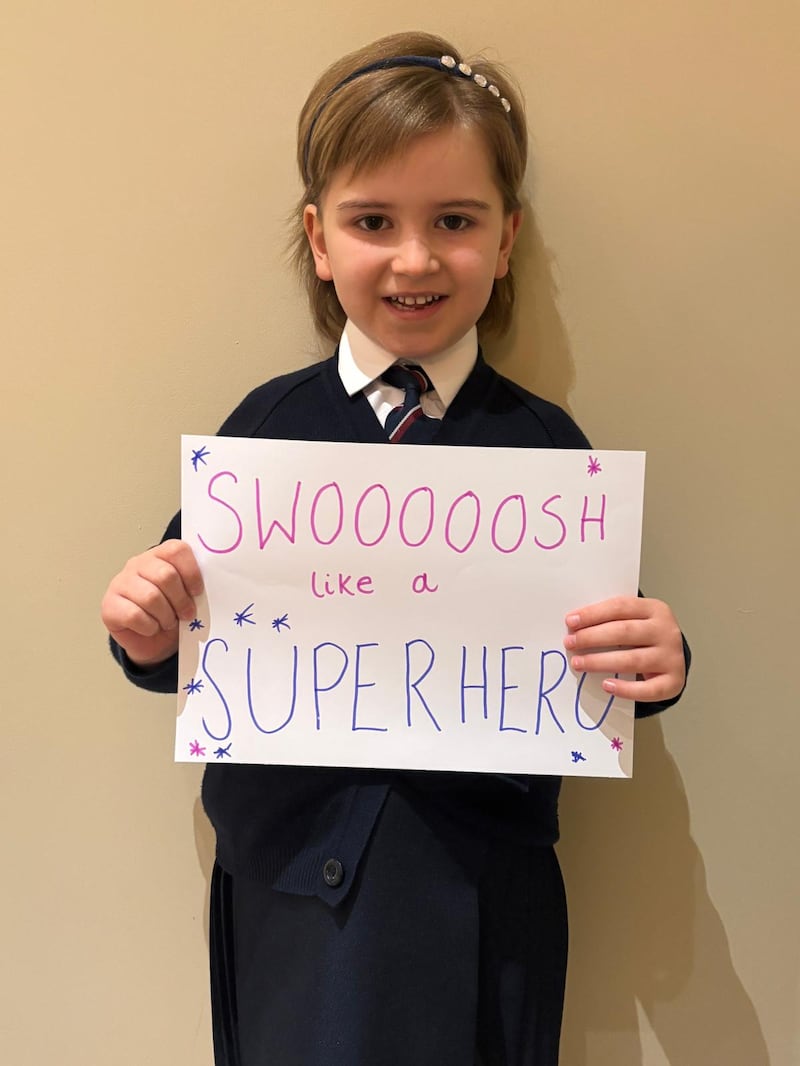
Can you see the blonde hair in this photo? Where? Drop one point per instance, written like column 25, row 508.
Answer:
column 363, row 123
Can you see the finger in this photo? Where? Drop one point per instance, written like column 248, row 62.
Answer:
column 179, row 555
column 160, row 590
column 140, row 607
column 164, row 600
column 120, row 615
column 172, row 568
column 628, row 633
column 614, row 609
column 646, row 661
column 645, row 690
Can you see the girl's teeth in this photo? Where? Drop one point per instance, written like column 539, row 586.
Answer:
column 414, row 301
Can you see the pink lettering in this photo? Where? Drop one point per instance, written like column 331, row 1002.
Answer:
column 420, row 584
column 523, row 523
column 229, row 507
column 601, row 520
column 313, row 515
column 340, row 586
column 559, row 519
column 402, row 520
column 357, row 517
column 476, row 522
column 263, row 538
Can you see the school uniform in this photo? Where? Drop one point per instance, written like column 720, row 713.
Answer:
column 385, row 918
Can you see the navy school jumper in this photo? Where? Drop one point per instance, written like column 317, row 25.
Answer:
column 305, row 830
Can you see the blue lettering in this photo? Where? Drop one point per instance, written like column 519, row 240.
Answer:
column 217, row 689
column 415, row 684
column 544, row 693
column 603, row 716
column 359, row 685
column 277, row 729
column 504, row 688
column 326, row 688
column 464, row 686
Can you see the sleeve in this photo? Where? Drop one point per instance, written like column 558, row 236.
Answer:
column 160, row 678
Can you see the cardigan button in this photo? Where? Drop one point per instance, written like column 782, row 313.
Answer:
column 333, row 873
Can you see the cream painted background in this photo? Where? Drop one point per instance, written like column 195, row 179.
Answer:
column 147, row 169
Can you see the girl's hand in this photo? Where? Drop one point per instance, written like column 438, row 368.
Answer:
column 148, row 597
column 629, row 635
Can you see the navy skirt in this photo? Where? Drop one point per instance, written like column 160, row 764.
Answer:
column 447, row 951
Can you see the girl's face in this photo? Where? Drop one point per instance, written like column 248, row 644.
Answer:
column 414, row 245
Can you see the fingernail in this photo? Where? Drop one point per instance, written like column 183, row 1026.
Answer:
column 573, row 620
column 609, row 685
column 570, row 641
column 577, row 662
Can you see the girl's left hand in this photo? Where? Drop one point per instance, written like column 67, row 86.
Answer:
column 629, row 635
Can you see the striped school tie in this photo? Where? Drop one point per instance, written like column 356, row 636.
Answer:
column 407, row 423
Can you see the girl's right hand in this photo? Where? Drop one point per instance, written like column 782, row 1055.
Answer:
column 147, row 599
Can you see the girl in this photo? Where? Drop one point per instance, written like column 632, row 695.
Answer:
column 395, row 917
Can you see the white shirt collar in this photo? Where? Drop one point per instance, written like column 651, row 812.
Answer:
column 361, row 361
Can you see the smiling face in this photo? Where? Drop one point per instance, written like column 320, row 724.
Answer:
column 413, row 246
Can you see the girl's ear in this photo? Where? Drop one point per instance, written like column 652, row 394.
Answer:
column 312, row 223
column 511, row 224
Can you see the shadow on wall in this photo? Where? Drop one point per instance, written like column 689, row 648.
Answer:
column 535, row 352
column 643, row 927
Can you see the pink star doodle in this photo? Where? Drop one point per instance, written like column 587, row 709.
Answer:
column 196, row 749
column 616, row 744
column 593, row 467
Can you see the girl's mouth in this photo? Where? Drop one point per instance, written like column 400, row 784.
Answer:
column 413, row 303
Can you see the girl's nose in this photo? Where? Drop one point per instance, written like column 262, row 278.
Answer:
column 414, row 257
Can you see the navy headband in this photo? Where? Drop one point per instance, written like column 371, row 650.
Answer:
column 446, row 63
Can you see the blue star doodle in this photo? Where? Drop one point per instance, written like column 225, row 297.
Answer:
column 196, row 624
column 578, row 756
column 199, row 456
column 193, row 686
column 222, row 752
column 244, row 616
column 281, row 623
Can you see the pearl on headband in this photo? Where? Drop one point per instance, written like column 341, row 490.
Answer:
column 465, row 70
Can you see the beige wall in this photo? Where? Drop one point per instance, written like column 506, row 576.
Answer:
column 147, row 172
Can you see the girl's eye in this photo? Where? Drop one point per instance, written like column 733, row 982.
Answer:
column 371, row 223
column 454, row 222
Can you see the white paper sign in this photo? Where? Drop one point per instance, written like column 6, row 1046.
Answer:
column 377, row 606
